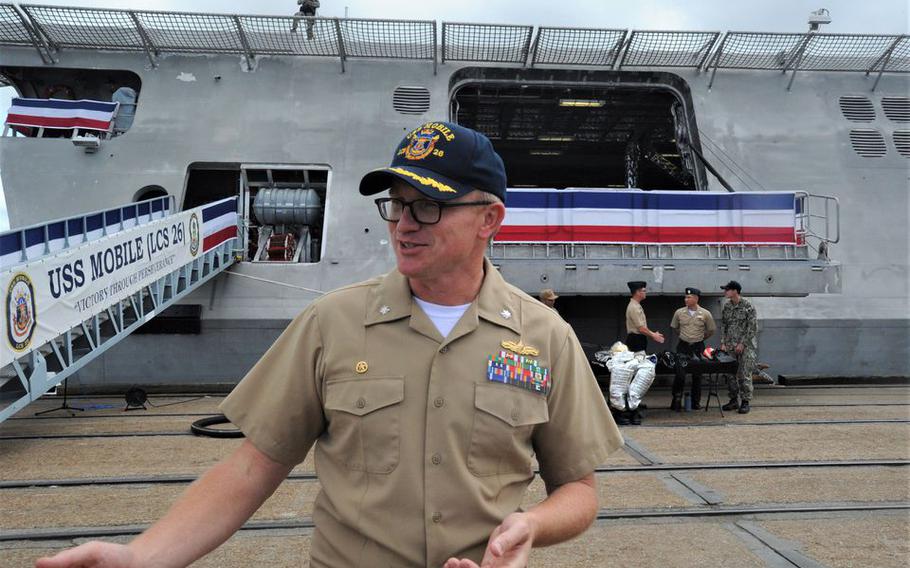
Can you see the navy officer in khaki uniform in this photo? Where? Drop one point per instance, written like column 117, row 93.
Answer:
column 637, row 331
column 431, row 394
column 693, row 325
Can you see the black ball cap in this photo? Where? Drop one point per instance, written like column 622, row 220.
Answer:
column 443, row 161
column 693, row 291
column 732, row 285
column 636, row 285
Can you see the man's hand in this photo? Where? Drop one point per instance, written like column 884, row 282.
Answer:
column 658, row 337
column 509, row 545
column 723, row 347
column 740, row 348
column 91, row 555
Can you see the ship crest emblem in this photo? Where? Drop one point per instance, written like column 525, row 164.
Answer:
column 421, row 144
column 20, row 312
column 194, row 234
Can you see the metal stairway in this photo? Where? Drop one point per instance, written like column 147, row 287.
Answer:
column 42, row 366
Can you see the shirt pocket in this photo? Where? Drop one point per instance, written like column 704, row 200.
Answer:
column 504, row 419
column 364, row 422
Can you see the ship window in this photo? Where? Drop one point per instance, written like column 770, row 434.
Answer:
column 101, row 85
column 282, row 206
column 411, row 100
column 284, row 212
column 857, row 108
column 868, row 143
column 896, row 108
column 150, row 192
column 210, row 182
column 902, row 142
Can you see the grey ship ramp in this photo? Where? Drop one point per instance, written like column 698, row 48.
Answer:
column 700, row 490
column 36, row 360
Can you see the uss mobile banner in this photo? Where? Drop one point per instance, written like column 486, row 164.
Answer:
column 47, row 297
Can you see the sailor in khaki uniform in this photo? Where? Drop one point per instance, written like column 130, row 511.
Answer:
column 693, row 325
column 429, row 393
column 636, row 323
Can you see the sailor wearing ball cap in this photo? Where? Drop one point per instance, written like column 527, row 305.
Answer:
column 740, row 327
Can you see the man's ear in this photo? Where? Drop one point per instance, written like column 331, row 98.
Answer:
column 492, row 220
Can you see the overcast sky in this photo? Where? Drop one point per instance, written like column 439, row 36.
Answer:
column 859, row 16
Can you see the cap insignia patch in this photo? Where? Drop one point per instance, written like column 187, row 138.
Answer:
column 422, row 143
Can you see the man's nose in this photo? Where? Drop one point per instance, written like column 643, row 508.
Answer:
column 407, row 223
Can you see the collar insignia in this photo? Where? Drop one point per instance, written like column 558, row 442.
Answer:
column 384, row 310
column 506, row 314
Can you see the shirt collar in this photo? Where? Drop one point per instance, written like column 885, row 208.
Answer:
column 392, row 300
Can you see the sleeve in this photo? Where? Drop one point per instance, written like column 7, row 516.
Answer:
column 277, row 404
column 751, row 326
column 710, row 326
column 674, row 323
column 580, row 433
column 638, row 317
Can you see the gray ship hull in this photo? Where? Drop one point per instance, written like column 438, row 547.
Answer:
column 200, row 110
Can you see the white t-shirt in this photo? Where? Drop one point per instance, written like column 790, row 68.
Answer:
column 443, row 317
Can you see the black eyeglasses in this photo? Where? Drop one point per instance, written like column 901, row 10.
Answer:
column 424, row 211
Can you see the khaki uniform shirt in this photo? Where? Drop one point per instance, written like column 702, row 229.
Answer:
column 420, row 455
column 635, row 317
column 693, row 329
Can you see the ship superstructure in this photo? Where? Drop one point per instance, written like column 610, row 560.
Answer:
column 245, row 106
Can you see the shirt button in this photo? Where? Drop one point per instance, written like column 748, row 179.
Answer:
column 439, row 402
column 437, row 516
column 436, row 459
column 361, row 402
column 445, row 349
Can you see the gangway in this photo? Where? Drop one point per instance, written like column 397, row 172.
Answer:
column 76, row 287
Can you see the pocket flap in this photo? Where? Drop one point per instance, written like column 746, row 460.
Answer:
column 362, row 396
column 511, row 405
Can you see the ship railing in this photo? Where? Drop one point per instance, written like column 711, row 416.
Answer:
column 52, row 335
column 816, row 225
column 818, row 220
column 50, row 29
column 32, row 121
column 21, row 131
column 34, row 242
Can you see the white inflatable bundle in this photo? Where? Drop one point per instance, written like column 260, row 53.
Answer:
column 603, row 357
column 641, row 382
column 618, row 347
column 622, row 366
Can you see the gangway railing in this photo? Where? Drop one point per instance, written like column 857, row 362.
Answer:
column 65, row 308
column 33, row 242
